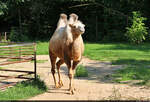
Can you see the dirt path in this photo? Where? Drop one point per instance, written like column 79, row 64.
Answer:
column 97, row 86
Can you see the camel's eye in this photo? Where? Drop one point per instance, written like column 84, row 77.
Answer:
column 73, row 26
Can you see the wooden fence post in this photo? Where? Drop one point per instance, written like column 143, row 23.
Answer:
column 35, row 75
column 0, row 37
column 5, row 36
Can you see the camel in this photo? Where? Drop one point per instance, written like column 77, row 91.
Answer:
column 66, row 44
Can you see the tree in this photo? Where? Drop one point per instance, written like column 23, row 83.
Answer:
column 3, row 8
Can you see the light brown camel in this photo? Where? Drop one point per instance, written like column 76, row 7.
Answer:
column 66, row 44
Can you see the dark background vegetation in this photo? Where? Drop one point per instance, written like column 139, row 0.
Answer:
column 105, row 20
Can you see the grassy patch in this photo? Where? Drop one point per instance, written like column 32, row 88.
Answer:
column 40, row 61
column 81, row 71
column 3, row 44
column 135, row 57
column 135, row 62
column 132, row 73
column 24, row 90
column 42, row 48
column 14, row 60
column 119, row 53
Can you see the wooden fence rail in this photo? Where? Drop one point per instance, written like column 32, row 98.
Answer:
column 11, row 53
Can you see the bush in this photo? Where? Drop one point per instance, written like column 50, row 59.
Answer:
column 137, row 32
column 81, row 71
column 16, row 36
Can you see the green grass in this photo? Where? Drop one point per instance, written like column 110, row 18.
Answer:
column 24, row 90
column 13, row 60
column 118, row 53
column 133, row 73
column 42, row 48
column 40, row 61
column 3, row 44
column 135, row 57
column 81, row 71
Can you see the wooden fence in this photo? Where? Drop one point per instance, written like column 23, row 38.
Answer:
column 11, row 53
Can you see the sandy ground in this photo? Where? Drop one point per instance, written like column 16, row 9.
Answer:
column 97, row 86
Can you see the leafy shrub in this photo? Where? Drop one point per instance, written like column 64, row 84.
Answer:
column 16, row 36
column 3, row 8
column 137, row 32
column 81, row 71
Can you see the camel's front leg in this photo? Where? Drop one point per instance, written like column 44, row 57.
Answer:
column 71, row 77
column 53, row 61
column 70, row 74
column 60, row 62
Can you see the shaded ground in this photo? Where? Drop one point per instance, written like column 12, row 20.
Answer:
column 98, row 86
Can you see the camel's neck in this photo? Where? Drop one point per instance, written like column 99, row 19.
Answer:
column 75, row 37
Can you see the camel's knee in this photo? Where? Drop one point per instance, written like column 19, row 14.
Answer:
column 59, row 63
column 53, row 71
column 75, row 63
column 70, row 76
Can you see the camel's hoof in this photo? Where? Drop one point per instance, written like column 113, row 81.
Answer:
column 57, row 86
column 60, row 84
column 71, row 92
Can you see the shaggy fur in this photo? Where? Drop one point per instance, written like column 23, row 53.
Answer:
column 66, row 44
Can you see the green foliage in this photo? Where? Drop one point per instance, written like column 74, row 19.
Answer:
column 24, row 90
column 3, row 8
column 81, row 71
column 132, row 73
column 41, row 16
column 137, row 32
column 17, row 36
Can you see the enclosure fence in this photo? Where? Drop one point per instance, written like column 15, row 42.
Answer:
column 11, row 53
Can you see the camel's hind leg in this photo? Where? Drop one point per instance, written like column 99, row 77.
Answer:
column 53, row 62
column 60, row 62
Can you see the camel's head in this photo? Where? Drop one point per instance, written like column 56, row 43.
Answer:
column 77, row 28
